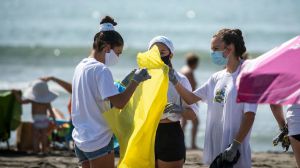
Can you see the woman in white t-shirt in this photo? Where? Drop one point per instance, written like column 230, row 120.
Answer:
column 293, row 124
column 169, row 142
column 228, row 123
column 93, row 90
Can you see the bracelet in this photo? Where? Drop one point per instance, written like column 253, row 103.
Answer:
column 237, row 141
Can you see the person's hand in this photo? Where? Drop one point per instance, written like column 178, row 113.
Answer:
column 282, row 138
column 141, row 75
column 173, row 108
column 46, row 78
column 54, row 121
column 230, row 153
column 172, row 76
column 16, row 92
column 128, row 78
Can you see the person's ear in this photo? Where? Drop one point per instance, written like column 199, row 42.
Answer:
column 107, row 48
column 229, row 50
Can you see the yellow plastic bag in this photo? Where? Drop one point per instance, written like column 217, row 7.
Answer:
column 135, row 125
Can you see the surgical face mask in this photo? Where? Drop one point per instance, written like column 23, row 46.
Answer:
column 219, row 58
column 111, row 58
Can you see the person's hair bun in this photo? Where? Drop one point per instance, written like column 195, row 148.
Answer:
column 238, row 32
column 108, row 19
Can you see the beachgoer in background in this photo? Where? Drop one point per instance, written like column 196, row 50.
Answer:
column 188, row 70
column 228, row 125
column 40, row 98
column 93, row 90
column 170, row 149
column 68, row 87
column 192, row 62
column 292, row 124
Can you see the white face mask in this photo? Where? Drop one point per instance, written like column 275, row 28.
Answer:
column 111, row 58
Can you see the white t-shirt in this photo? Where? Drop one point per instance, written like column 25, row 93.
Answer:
column 224, row 116
column 92, row 84
column 174, row 97
column 293, row 119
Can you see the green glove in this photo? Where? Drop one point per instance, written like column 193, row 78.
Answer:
column 282, row 138
column 230, row 153
column 172, row 76
column 141, row 75
column 173, row 108
column 128, row 78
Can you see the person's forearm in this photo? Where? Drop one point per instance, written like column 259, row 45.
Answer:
column 126, row 95
column 66, row 85
column 51, row 112
column 17, row 94
column 193, row 83
column 192, row 80
column 189, row 114
column 188, row 96
column 122, row 99
column 278, row 114
column 53, row 116
column 245, row 126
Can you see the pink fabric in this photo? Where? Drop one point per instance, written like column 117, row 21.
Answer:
column 274, row 77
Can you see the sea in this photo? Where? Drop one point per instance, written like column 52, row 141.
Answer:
column 49, row 38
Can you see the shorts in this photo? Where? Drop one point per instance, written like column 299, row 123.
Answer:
column 293, row 123
column 85, row 156
column 169, row 142
column 297, row 137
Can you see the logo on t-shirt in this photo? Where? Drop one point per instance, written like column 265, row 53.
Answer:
column 220, row 95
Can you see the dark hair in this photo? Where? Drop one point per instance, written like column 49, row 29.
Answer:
column 108, row 19
column 113, row 38
column 245, row 56
column 99, row 44
column 191, row 59
column 235, row 37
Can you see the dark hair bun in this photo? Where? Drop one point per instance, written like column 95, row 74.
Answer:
column 238, row 32
column 108, row 19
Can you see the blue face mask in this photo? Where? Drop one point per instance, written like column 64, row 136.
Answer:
column 218, row 58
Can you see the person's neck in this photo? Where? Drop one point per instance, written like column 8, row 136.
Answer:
column 191, row 69
column 97, row 56
column 232, row 64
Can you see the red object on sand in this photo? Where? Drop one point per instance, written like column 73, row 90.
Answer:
column 274, row 77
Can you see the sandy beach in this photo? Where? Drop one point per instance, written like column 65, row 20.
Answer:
column 65, row 159
column 59, row 42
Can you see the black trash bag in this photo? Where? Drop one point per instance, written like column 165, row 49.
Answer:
column 220, row 163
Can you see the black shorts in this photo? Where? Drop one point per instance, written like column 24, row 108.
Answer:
column 169, row 142
column 297, row 137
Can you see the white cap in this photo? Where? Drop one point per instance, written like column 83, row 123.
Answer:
column 164, row 40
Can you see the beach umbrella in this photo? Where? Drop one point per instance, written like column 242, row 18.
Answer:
column 272, row 78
